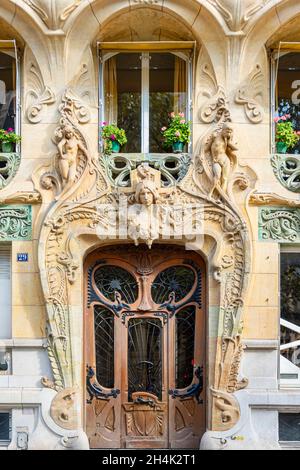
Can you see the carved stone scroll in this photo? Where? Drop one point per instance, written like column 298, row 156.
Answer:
column 38, row 95
column 250, row 95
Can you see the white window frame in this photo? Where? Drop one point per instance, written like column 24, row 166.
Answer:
column 145, row 59
column 12, row 44
column 284, row 49
column 285, row 366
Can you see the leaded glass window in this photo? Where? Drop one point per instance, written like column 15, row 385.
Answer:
column 113, row 279
column 104, row 344
column 176, row 279
column 145, row 356
column 185, row 346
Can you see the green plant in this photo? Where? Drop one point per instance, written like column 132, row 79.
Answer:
column 9, row 136
column 285, row 131
column 111, row 133
column 179, row 130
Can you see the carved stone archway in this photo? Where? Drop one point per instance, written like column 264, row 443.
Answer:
column 76, row 219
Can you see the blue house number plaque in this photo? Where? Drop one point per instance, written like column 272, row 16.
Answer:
column 22, row 257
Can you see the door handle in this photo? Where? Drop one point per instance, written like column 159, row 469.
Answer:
column 144, row 401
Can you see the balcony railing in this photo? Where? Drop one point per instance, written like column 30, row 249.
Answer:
column 9, row 165
column 287, row 170
column 173, row 167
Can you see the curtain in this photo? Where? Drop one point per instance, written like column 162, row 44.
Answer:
column 180, row 85
column 111, row 91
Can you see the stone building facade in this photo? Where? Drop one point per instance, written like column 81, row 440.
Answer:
column 213, row 281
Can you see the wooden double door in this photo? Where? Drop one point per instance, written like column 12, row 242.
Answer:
column 145, row 348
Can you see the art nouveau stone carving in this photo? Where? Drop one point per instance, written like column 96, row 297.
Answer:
column 63, row 409
column 237, row 13
column 272, row 199
column 80, row 211
column 279, row 224
column 53, row 13
column 287, row 170
column 38, row 95
column 15, row 223
column 69, row 147
column 215, row 107
column 250, row 95
column 9, row 165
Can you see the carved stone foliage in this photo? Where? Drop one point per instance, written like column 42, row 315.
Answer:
column 215, row 107
column 15, row 223
column 278, row 224
column 53, row 13
column 272, row 199
column 250, row 95
column 287, row 171
column 9, row 165
column 237, row 13
column 63, row 409
column 38, row 95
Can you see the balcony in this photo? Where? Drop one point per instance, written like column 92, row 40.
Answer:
column 173, row 167
column 287, row 170
column 9, row 165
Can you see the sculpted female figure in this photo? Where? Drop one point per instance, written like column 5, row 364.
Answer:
column 68, row 149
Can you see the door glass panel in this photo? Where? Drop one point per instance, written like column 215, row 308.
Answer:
column 177, row 279
column 145, row 356
column 114, row 282
column 168, row 93
column 185, row 346
column 122, row 94
column 104, row 345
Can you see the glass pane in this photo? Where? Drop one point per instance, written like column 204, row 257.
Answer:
column 290, row 287
column 122, row 92
column 114, row 282
column 289, row 427
column 145, row 357
column 288, row 98
column 104, row 345
column 177, row 279
column 185, row 345
column 168, row 93
column 7, row 90
column 4, row 426
column 290, row 304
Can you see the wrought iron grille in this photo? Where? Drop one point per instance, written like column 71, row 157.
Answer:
column 145, row 356
column 185, row 346
column 104, row 342
column 177, row 279
column 113, row 279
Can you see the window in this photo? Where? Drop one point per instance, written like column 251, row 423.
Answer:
column 8, row 86
column 286, row 99
column 139, row 89
column 4, row 427
column 5, row 291
column 290, row 319
column 289, row 427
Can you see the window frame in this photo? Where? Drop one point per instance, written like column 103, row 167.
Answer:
column 183, row 49
column 275, row 54
column 4, row 442
column 12, row 44
column 285, row 383
column 287, row 445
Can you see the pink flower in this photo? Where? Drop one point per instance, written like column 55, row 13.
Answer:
column 172, row 115
column 298, row 132
column 177, row 133
column 163, row 129
column 288, row 116
column 276, row 119
column 283, row 118
column 181, row 115
column 104, row 123
column 113, row 137
column 182, row 121
column 10, row 129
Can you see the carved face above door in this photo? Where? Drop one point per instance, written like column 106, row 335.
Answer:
column 145, row 347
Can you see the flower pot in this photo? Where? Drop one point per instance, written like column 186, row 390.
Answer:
column 281, row 147
column 7, row 147
column 178, row 147
column 115, row 146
